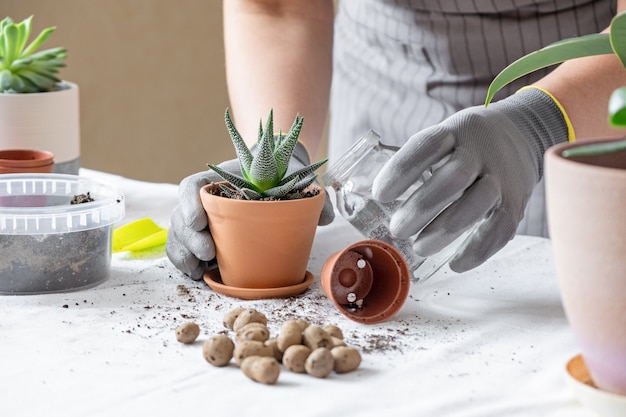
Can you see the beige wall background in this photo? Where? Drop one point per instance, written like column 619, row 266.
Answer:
column 151, row 77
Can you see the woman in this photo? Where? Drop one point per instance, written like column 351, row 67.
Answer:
column 417, row 71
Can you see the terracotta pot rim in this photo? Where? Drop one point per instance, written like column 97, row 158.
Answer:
column 17, row 155
column 264, row 202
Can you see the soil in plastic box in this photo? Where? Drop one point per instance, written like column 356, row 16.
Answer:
column 58, row 262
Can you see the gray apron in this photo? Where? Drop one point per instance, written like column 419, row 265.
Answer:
column 403, row 65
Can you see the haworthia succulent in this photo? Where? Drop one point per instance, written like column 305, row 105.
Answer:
column 264, row 170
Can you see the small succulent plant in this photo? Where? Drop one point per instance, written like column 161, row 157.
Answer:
column 264, row 172
column 22, row 69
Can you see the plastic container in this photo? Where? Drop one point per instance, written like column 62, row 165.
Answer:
column 55, row 232
column 351, row 179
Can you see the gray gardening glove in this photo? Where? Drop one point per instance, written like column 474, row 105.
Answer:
column 190, row 246
column 487, row 162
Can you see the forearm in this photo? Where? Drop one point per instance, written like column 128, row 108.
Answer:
column 279, row 56
column 583, row 86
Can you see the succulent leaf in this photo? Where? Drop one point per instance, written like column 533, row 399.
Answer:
column 305, row 183
column 10, row 41
column 31, row 71
column 303, row 172
column 284, row 148
column 38, row 41
column 243, row 153
column 283, row 189
column 228, row 191
column 263, row 171
column 6, row 79
column 233, row 179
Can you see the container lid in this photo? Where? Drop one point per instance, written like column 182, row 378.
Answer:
column 42, row 204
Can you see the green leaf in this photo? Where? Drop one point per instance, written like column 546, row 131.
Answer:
column 595, row 149
column 41, row 38
column 243, row 153
column 263, row 171
column 6, row 79
column 617, row 107
column 555, row 53
column 10, row 42
column 23, row 29
column 233, row 179
column 285, row 147
column 304, row 172
column 43, row 81
column 303, row 184
column 618, row 37
column 282, row 189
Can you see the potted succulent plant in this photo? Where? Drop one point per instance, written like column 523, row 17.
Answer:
column 263, row 222
column 37, row 109
column 586, row 196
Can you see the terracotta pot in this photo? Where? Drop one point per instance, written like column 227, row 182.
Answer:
column 262, row 244
column 586, row 197
column 368, row 281
column 49, row 120
column 13, row 161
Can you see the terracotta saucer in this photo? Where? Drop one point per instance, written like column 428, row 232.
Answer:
column 606, row 404
column 212, row 278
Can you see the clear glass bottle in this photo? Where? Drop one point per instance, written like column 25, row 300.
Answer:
column 351, row 178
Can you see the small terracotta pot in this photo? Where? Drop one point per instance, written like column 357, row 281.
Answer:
column 262, row 244
column 13, row 161
column 368, row 281
column 585, row 198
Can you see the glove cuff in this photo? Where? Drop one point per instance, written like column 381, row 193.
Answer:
column 539, row 119
column 571, row 136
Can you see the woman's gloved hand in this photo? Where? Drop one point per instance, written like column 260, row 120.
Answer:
column 190, row 246
column 487, row 161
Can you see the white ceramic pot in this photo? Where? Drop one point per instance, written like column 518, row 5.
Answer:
column 586, row 199
column 46, row 121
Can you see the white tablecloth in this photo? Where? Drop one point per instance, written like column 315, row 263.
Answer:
column 490, row 342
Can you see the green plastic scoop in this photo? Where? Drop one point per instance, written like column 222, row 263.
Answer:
column 138, row 235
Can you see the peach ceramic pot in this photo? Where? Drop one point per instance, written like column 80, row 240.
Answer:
column 368, row 281
column 586, row 201
column 13, row 161
column 262, row 244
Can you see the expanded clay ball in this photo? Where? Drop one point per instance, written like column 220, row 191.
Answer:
column 273, row 343
column 248, row 316
column 252, row 331
column 347, row 359
column 316, row 337
column 218, row 350
column 290, row 333
column 333, row 331
column 251, row 348
column 295, row 357
column 320, row 363
column 187, row 332
column 263, row 369
column 231, row 316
